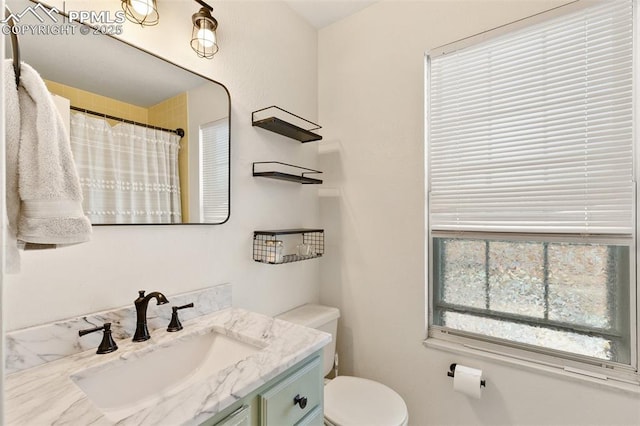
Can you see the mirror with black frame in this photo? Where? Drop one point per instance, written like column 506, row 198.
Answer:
column 150, row 139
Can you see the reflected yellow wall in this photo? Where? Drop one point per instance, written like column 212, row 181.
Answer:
column 98, row 103
column 172, row 113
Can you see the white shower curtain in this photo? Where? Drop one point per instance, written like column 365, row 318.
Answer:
column 128, row 173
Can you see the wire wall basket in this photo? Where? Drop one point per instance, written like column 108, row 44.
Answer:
column 287, row 245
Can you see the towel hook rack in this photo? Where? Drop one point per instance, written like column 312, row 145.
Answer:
column 15, row 48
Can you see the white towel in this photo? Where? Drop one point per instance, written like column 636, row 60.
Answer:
column 12, row 140
column 44, row 199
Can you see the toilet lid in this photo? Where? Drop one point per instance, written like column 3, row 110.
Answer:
column 355, row 401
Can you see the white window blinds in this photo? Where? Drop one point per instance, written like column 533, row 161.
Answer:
column 533, row 132
column 214, row 155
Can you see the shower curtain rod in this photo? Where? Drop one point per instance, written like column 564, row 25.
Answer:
column 178, row 131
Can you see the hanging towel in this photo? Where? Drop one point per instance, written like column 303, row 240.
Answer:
column 44, row 199
column 12, row 138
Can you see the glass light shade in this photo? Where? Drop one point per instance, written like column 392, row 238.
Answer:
column 142, row 7
column 143, row 12
column 206, row 37
column 203, row 37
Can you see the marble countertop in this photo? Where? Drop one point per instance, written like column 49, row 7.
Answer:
column 46, row 394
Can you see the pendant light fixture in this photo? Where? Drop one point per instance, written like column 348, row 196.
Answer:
column 203, row 37
column 143, row 12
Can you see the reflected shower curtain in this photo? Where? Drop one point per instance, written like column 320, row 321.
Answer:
column 128, row 173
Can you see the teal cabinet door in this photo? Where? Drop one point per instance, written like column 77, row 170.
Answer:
column 293, row 398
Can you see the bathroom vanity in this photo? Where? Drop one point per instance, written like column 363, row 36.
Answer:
column 292, row 398
column 230, row 367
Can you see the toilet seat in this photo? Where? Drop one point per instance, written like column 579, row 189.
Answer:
column 353, row 401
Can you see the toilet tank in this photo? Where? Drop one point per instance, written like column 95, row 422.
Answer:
column 323, row 318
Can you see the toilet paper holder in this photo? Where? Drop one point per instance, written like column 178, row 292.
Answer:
column 452, row 372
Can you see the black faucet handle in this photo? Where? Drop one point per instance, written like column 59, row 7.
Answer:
column 108, row 344
column 188, row 305
column 175, row 324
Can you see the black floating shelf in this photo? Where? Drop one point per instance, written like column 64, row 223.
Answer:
column 282, row 126
column 288, row 177
column 280, row 175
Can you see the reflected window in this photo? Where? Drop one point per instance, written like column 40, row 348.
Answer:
column 214, row 171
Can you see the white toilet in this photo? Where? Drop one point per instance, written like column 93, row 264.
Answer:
column 349, row 401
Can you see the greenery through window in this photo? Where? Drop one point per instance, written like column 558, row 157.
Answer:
column 560, row 296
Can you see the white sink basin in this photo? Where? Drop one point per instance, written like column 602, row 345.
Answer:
column 126, row 385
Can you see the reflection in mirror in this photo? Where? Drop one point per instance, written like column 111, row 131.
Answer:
column 150, row 139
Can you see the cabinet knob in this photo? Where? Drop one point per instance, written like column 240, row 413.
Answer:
column 301, row 401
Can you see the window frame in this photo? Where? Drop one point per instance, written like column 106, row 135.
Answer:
column 614, row 374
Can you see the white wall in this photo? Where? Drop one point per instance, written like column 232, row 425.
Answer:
column 261, row 63
column 371, row 103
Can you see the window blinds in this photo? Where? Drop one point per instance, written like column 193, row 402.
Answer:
column 532, row 131
column 214, row 149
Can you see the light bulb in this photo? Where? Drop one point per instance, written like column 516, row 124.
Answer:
column 206, row 37
column 142, row 7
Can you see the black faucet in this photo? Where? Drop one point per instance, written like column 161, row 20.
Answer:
column 141, row 303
